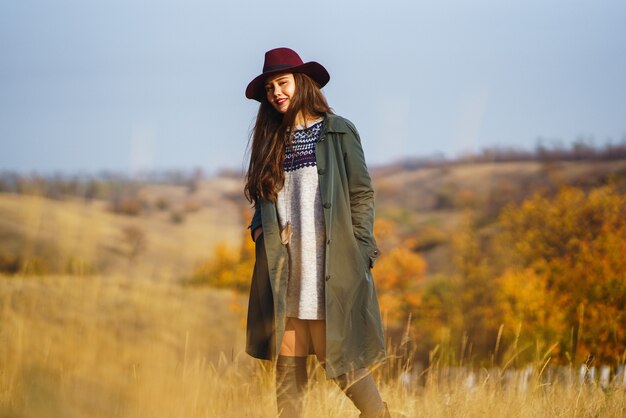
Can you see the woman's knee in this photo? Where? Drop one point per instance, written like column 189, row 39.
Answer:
column 295, row 340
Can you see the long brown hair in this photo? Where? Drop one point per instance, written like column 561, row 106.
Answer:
column 266, row 176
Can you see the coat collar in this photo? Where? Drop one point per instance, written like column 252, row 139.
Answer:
column 333, row 124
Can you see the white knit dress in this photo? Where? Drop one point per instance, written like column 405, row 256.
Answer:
column 300, row 203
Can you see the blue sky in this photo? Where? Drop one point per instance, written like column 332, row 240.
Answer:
column 131, row 85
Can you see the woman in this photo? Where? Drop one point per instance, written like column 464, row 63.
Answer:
column 312, row 289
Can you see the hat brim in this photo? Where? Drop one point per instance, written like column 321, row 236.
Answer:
column 315, row 70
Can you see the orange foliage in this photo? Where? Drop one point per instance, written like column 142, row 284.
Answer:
column 473, row 292
column 551, row 271
column 399, row 274
column 569, row 270
column 229, row 267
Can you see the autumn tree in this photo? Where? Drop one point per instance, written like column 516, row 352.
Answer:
column 567, row 277
column 399, row 274
column 478, row 316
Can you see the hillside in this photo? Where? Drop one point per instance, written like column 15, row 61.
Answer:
column 176, row 226
column 76, row 235
column 431, row 203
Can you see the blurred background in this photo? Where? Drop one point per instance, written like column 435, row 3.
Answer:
column 495, row 133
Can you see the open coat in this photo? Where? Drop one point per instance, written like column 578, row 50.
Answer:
column 354, row 332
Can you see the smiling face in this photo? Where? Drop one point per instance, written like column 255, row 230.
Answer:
column 279, row 91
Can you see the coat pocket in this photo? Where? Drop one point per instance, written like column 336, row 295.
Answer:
column 368, row 255
column 366, row 258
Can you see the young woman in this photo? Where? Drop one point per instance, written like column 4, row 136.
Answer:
column 312, row 290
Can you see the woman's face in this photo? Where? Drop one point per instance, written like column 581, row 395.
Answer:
column 280, row 90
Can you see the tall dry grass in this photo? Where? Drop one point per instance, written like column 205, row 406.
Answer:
column 116, row 347
column 112, row 347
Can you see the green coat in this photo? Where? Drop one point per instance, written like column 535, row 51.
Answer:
column 354, row 332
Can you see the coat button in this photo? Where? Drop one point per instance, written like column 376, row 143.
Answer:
column 329, row 241
column 328, row 277
column 321, row 171
column 327, row 205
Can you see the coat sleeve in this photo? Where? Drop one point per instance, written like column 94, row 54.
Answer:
column 256, row 220
column 361, row 193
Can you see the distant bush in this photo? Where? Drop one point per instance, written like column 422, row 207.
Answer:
column 445, row 197
column 127, row 205
column 134, row 241
column 37, row 265
column 78, row 266
column 162, row 203
column 10, row 263
column 228, row 267
column 177, row 217
column 42, row 264
column 192, row 205
column 429, row 237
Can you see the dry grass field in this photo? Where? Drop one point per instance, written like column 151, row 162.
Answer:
column 121, row 337
column 115, row 347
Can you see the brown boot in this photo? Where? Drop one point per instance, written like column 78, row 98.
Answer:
column 361, row 388
column 385, row 413
column 291, row 381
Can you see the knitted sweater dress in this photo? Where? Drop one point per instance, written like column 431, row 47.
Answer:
column 300, row 203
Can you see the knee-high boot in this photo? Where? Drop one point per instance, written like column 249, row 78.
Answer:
column 361, row 388
column 291, row 381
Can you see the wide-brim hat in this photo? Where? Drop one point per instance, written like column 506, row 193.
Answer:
column 285, row 60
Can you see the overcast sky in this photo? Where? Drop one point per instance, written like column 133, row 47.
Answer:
column 129, row 85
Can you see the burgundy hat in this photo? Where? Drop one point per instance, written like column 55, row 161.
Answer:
column 285, row 60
